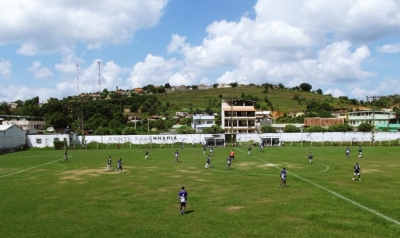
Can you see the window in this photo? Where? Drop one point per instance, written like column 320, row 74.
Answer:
column 38, row 141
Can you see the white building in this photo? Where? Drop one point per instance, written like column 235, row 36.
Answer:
column 11, row 137
column 202, row 121
column 371, row 117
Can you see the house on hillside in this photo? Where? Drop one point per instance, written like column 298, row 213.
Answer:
column 202, row 121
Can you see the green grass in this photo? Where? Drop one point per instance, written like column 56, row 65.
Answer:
column 281, row 99
column 44, row 197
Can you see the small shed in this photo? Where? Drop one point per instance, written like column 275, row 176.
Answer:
column 12, row 137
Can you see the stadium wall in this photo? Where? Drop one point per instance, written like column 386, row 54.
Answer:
column 42, row 141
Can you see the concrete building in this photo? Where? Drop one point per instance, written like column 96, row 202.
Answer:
column 202, row 121
column 12, row 137
column 238, row 116
column 31, row 127
column 371, row 117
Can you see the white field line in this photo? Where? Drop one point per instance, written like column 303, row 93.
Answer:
column 323, row 171
column 20, row 171
column 335, row 193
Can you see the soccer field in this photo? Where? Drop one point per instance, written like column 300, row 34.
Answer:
column 42, row 196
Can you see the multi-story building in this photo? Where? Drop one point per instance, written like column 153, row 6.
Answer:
column 202, row 121
column 238, row 116
column 371, row 117
column 339, row 112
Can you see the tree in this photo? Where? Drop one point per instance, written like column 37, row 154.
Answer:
column 102, row 131
column 215, row 85
column 340, row 128
column 365, row 127
column 305, row 87
column 234, row 84
column 129, row 131
column 268, row 129
column 213, row 129
column 315, row 129
column 167, row 86
column 319, row 91
column 186, row 130
column 291, row 129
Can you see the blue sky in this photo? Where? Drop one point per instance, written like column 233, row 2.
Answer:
column 344, row 47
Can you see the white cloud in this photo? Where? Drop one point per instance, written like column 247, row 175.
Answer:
column 154, row 70
column 335, row 92
column 52, row 25
column 38, row 71
column 390, row 48
column 5, row 68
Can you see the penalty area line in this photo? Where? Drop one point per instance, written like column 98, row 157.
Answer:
column 20, row 171
column 336, row 194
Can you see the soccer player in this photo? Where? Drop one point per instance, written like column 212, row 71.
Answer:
column 283, row 177
column 359, row 152
column 146, row 155
column 208, row 163
column 347, row 152
column 261, row 146
column 249, row 152
column 109, row 166
column 176, row 156
column 65, row 156
column 310, row 157
column 211, row 150
column 119, row 165
column 182, row 198
column 204, row 149
column 357, row 171
column 229, row 160
column 232, row 155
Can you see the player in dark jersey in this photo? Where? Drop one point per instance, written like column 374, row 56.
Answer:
column 359, row 152
column 119, row 169
column 249, row 150
column 283, row 177
column 211, row 150
column 176, row 156
column 208, row 162
column 357, row 171
column 229, row 161
column 109, row 163
column 182, row 197
column 146, row 155
column 65, row 156
column 204, row 149
column 310, row 157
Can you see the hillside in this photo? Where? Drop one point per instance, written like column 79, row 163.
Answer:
column 282, row 100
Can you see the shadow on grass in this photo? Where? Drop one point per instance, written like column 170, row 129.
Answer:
column 188, row 212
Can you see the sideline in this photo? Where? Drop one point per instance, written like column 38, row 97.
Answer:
column 20, row 171
column 334, row 193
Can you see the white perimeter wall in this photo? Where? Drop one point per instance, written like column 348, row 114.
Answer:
column 155, row 139
column 12, row 138
column 47, row 140
column 42, row 141
column 321, row 136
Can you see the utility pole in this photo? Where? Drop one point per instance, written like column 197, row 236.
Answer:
column 98, row 62
column 372, row 99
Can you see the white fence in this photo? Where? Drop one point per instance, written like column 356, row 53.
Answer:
column 322, row 137
column 41, row 141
